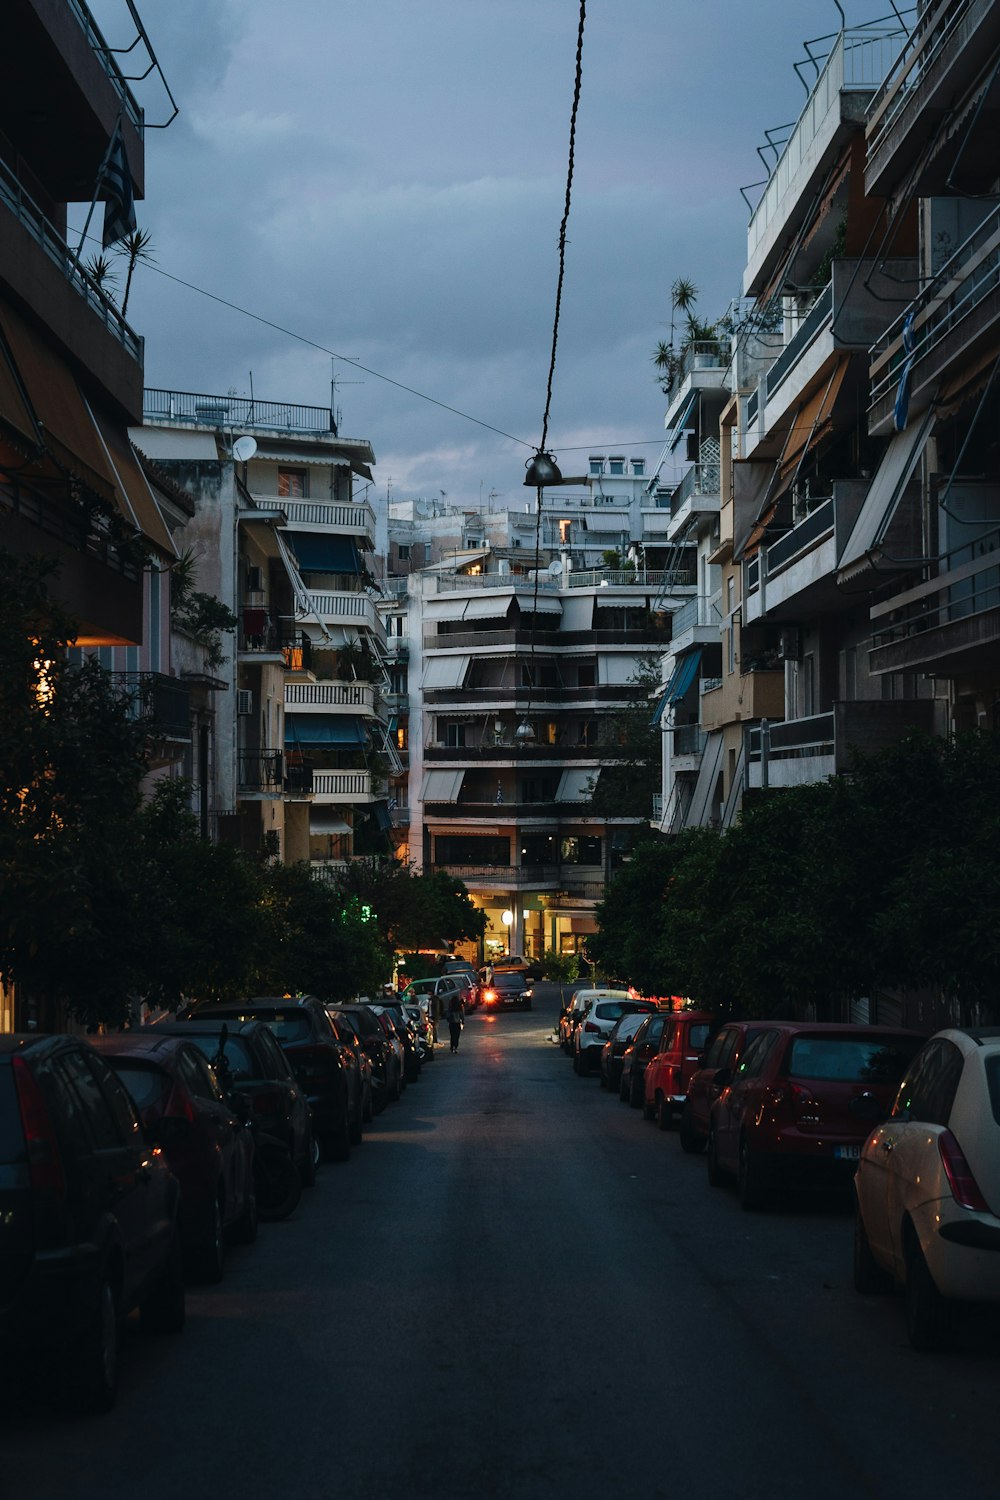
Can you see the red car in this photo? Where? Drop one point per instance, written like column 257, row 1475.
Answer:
column 665, row 1080
column 209, row 1150
column 714, row 1070
column 802, row 1103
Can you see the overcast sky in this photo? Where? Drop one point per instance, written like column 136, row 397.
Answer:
column 386, row 178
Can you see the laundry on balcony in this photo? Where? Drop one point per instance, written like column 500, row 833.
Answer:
column 681, row 678
column 325, row 729
column 884, row 494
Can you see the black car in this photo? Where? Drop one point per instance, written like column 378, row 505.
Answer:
column 408, row 1032
column 261, row 1075
column 387, row 1075
column 88, row 1218
column 509, row 991
column 321, row 1063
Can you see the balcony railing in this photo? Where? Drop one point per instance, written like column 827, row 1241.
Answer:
column 504, row 582
column 157, row 701
column 312, row 695
column 657, row 806
column 103, row 54
column 260, row 771
column 357, row 517
column 700, row 611
column 960, row 287
column 820, row 313
column 342, row 786
column 234, row 411
column 795, row 739
column 689, row 739
column 968, row 584
column 914, row 68
column 802, row 537
column 704, row 354
column 342, row 608
column 632, row 578
column 700, row 479
column 45, row 234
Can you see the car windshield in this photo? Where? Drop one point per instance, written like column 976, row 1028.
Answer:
column 508, row 982
column 366, row 1021
column 613, row 1010
column 147, row 1084
column 287, row 1025
column 236, row 1053
column 851, row 1059
column 420, row 987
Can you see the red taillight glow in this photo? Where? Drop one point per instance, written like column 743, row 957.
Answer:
column 964, row 1187
column 594, row 1030
column 791, row 1097
column 489, row 996
column 44, row 1160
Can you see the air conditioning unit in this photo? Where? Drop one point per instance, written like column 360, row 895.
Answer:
column 244, row 701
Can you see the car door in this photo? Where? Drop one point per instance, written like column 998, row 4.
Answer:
column 908, row 1142
column 276, row 1068
column 223, row 1132
column 731, row 1107
column 703, row 1089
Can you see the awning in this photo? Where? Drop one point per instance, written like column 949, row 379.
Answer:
column 15, row 408
column 445, row 671
column 616, row 521
column 322, row 821
column 615, row 669
column 325, row 554
column 457, row 560
column 684, row 673
column 543, row 605
column 316, row 457
column 676, row 432
column 442, row 786
column 813, row 421
column 486, row 609
column 134, row 492
column 884, row 494
column 324, row 729
column 574, row 785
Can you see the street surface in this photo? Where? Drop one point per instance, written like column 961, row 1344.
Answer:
column 517, row 1288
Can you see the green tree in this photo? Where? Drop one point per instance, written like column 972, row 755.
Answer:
column 630, row 754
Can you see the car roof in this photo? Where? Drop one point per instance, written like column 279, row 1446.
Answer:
column 145, row 1040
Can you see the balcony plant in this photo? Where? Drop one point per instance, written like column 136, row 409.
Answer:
column 201, row 616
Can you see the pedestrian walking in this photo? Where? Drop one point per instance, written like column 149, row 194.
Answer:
column 456, row 1020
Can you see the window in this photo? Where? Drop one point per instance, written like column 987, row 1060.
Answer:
column 564, row 527
column 404, row 553
column 399, row 681
column 616, row 465
column 538, row 849
column 730, row 650
column 638, row 467
column 581, row 851
column 471, row 849
column 454, row 735
column 597, row 466
column 757, row 1053
column 88, row 1105
column 928, row 1091
column 586, row 675
column 292, row 484
column 402, row 737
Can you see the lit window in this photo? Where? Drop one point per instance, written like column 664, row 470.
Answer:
column 564, row 527
column 291, row 484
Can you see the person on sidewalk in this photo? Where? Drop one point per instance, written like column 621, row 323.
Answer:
column 455, row 1019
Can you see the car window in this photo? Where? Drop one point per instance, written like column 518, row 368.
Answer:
column 928, row 1091
column 848, row 1059
column 657, row 1026
column 721, row 1051
column 94, row 1118
column 992, row 1065
column 698, row 1035
column 199, row 1077
column 755, row 1056
column 609, row 1010
column 236, row 1052
column 287, row 1026
column 273, row 1060
column 117, row 1096
column 147, row 1084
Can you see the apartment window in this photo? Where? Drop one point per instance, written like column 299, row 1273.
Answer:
column 402, row 737
column 454, row 735
column 395, row 625
column 458, row 849
column 538, row 849
column 616, row 465
column 564, row 527
column 292, row 484
column 404, row 553
column 597, row 466
column 538, row 788
column 730, row 594
column 638, row 467
column 581, row 851
column 399, row 680
column 586, row 675
column 587, row 734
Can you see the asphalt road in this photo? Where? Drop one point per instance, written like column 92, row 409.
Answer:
column 518, row 1289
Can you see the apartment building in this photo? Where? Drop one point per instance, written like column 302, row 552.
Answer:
column 298, row 746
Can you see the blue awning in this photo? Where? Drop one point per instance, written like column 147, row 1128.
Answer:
column 681, row 678
column 325, row 554
column 324, row 729
column 677, row 431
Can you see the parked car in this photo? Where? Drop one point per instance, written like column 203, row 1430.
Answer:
column 669, row 1071
column 390, row 1030
column 643, row 1046
column 597, row 1022
column 324, row 1067
column 419, row 1014
column 440, row 992
column 571, row 1015
column 510, row 990
column 383, row 1052
column 88, row 1228
column 208, row 1146
column 614, row 1048
column 801, row 1105
column 396, row 1011
column 349, row 1031
column 463, row 969
column 720, row 1060
column 927, row 1187
column 516, row 963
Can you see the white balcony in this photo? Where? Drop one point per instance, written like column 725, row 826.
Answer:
column 330, row 697
column 357, row 519
column 341, row 788
column 356, row 610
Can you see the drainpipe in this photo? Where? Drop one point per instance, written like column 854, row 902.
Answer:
column 765, row 751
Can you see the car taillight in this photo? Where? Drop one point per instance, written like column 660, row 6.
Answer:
column 592, row 1028
column 489, row 996
column 964, row 1187
column 791, row 1099
column 44, row 1160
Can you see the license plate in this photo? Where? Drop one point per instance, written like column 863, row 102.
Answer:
column 847, row 1153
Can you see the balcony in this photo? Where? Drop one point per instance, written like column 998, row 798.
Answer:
column 260, row 773
column 356, row 610
column 495, row 641
column 956, row 320
column 356, row 519
column 520, row 697
column 657, row 817
column 328, row 697
column 237, row 412
column 941, row 60
column 341, row 788
column 799, row 752
column 623, row 578
column 696, row 623
column 948, row 624
column 696, row 496
column 798, row 570
column 506, row 753
column 160, row 703
column 858, row 61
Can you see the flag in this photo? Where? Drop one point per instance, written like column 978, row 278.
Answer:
column 116, row 190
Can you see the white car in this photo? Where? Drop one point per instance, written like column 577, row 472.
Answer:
column 603, row 1009
column 928, row 1185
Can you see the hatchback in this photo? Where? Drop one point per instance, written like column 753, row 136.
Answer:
column 510, row 990
column 88, row 1218
column 640, row 1051
column 666, row 1078
column 802, row 1103
column 714, row 1068
column 928, row 1185
column 596, row 1025
column 614, row 1048
column 208, row 1147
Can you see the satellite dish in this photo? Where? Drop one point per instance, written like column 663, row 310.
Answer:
column 555, row 568
column 244, row 449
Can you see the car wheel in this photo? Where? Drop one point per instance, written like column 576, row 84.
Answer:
column 310, row 1161
column 245, row 1229
column 89, row 1377
column 925, row 1307
column 664, row 1114
column 164, row 1309
column 276, row 1181
column 715, row 1175
column 869, row 1277
column 208, row 1262
column 751, row 1180
column 691, row 1141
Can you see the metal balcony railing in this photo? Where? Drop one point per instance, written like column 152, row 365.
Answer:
column 157, row 701
column 233, row 411
column 700, row 480
column 795, row 739
column 260, row 771
column 357, row 517
column 818, row 315
column 103, row 54
column 631, row 578
column 689, row 739
column 818, row 523
column 700, row 611
column 915, row 66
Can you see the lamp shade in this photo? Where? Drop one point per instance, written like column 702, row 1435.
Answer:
column 541, row 470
